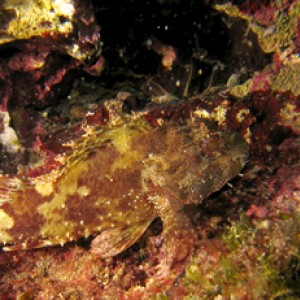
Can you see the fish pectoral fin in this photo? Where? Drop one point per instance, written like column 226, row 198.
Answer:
column 179, row 241
column 179, row 238
column 113, row 241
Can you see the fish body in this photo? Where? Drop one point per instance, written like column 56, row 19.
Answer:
column 116, row 181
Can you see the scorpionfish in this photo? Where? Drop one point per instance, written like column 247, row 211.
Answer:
column 116, row 180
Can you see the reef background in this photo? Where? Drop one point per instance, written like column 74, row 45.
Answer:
column 240, row 59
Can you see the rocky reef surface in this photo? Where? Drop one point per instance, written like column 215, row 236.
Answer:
column 233, row 63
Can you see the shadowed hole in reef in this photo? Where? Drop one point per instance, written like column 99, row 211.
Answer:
column 201, row 36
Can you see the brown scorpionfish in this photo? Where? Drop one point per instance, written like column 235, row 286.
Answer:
column 116, row 181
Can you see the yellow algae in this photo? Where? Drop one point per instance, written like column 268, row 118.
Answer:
column 287, row 80
column 33, row 18
column 241, row 115
column 219, row 113
column 242, row 90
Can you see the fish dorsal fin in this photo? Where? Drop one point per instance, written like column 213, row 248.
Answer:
column 11, row 186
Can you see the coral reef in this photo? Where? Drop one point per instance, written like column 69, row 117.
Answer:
column 42, row 43
column 234, row 64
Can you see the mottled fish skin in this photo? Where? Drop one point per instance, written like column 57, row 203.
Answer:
column 116, row 181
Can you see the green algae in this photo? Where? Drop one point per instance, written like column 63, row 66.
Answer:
column 260, row 259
